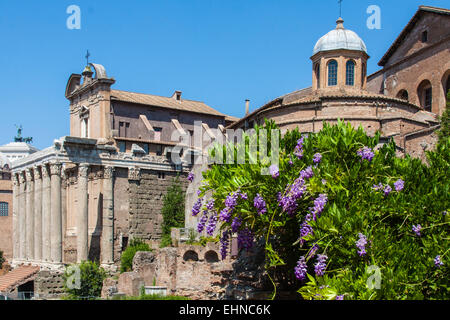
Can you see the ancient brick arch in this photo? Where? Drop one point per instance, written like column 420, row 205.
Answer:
column 211, row 256
column 425, row 94
column 446, row 82
column 190, row 255
column 403, row 94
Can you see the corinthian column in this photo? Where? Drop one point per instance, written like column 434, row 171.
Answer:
column 46, row 214
column 22, row 217
column 16, row 243
column 37, row 214
column 108, row 216
column 83, row 213
column 55, row 212
column 30, row 214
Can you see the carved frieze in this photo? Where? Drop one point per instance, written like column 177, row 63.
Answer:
column 134, row 173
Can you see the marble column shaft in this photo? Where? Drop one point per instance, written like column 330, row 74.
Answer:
column 56, row 223
column 83, row 213
column 22, row 217
column 108, row 216
column 37, row 214
column 30, row 215
column 46, row 214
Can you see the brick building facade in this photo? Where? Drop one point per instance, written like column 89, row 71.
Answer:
column 341, row 89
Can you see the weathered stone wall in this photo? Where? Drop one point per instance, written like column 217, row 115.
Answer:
column 49, row 285
column 146, row 201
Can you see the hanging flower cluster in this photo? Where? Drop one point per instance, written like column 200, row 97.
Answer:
column 366, row 153
column 260, row 204
column 361, row 244
column 190, row 176
column 321, row 265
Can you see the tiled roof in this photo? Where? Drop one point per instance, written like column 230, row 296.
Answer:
column 16, row 277
column 164, row 102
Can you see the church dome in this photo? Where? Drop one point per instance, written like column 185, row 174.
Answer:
column 340, row 38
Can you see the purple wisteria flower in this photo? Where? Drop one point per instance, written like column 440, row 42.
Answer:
column 308, row 173
column 190, row 177
column 317, row 158
column 202, row 222
column 292, row 193
column 274, row 171
column 437, row 262
column 416, row 229
column 244, row 196
column 230, row 204
column 298, row 151
column 366, row 154
column 324, row 182
column 320, row 266
column 211, row 226
column 387, row 189
column 197, row 207
column 361, row 244
column 224, row 242
column 235, row 224
column 399, row 185
column 245, row 239
column 210, row 205
column 312, row 251
column 319, row 204
column 305, row 230
column 378, row 187
column 340, row 297
column 301, row 269
column 260, row 204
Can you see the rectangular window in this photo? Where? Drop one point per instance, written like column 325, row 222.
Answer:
column 425, row 36
column 122, row 146
column 159, row 150
column 3, row 209
column 145, row 147
column 161, row 175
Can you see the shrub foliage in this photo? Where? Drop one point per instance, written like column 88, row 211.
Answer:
column 126, row 261
column 84, row 281
column 356, row 231
column 172, row 211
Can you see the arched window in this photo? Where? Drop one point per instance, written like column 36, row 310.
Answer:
column 211, row 256
column 447, row 86
column 425, row 93
column 332, row 73
column 403, row 94
column 350, row 73
column 3, row 209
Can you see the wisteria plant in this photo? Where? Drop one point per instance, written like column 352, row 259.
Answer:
column 334, row 208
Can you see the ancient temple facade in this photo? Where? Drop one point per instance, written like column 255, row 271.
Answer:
column 85, row 196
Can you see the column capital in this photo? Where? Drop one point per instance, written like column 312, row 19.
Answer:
column 22, row 177
column 83, row 169
column 29, row 174
column 37, row 173
column 108, row 172
column 134, row 173
column 45, row 171
column 55, row 169
column 15, row 179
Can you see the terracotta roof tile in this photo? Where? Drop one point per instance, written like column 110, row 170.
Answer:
column 164, row 102
column 17, row 277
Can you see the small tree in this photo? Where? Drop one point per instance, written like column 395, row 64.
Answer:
column 84, row 281
column 172, row 211
column 126, row 261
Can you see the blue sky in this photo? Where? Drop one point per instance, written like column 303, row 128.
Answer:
column 220, row 52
